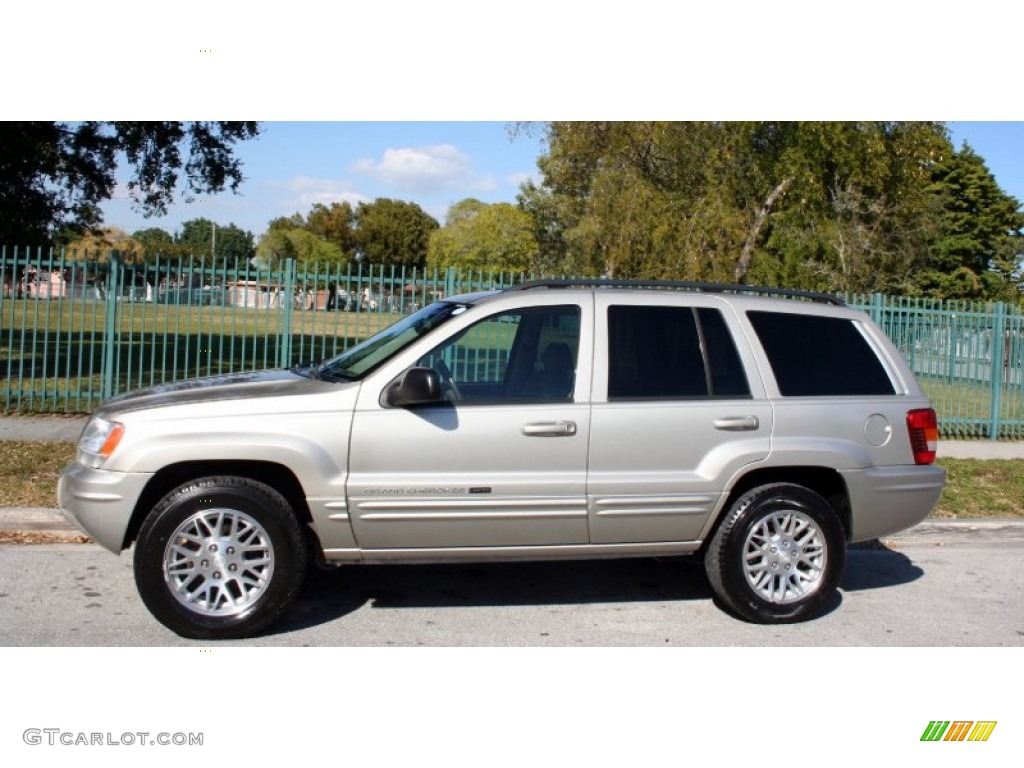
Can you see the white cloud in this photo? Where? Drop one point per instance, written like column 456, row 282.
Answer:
column 425, row 169
column 307, row 192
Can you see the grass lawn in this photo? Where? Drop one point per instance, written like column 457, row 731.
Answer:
column 29, row 472
column 982, row 488
column 975, row 488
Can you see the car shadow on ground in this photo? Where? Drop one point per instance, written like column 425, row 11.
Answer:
column 875, row 565
column 332, row 594
column 328, row 595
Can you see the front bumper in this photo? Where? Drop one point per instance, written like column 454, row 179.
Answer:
column 100, row 502
column 886, row 500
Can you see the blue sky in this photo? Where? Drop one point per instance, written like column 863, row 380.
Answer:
column 1002, row 146
column 293, row 165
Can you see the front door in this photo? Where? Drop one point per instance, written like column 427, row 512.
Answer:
column 501, row 463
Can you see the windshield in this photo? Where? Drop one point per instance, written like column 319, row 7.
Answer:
column 363, row 358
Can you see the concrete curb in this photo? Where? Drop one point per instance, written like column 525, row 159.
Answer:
column 20, row 519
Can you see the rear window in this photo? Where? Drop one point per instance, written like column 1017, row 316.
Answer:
column 819, row 356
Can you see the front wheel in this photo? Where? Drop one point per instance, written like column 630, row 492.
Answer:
column 219, row 558
column 778, row 555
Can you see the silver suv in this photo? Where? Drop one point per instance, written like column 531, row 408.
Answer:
column 564, row 419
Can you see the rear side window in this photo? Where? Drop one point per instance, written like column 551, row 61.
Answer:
column 819, row 356
column 671, row 353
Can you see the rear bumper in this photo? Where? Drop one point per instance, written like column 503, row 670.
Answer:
column 99, row 502
column 890, row 499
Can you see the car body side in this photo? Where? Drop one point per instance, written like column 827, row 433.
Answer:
column 377, row 483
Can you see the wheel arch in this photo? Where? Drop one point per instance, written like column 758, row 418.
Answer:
column 277, row 476
column 826, row 482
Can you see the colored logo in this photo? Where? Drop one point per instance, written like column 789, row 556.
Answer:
column 959, row 730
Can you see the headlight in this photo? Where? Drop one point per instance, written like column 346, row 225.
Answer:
column 98, row 441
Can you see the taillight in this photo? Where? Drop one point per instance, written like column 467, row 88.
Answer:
column 923, row 427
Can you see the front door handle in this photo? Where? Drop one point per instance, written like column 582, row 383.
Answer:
column 550, row 429
column 737, row 423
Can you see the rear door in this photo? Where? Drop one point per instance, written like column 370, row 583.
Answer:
column 675, row 416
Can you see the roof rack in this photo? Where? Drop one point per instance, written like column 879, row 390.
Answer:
column 821, row 298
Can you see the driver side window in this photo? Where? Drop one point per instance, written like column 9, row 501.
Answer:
column 526, row 355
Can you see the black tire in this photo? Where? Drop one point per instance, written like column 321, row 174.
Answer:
column 219, row 558
column 778, row 554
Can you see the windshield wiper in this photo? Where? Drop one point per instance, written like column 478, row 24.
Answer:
column 309, row 370
column 322, row 372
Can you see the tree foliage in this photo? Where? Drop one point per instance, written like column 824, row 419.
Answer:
column 308, row 249
column 56, row 174
column 848, row 206
column 96, row 245
column 335, row 224
column 393, row 232
column 981, row 242
column 478, row 236
column 327, row 234
column 198, row 238
column 155, row 242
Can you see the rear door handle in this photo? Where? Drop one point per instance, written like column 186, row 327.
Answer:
column 550, row 429
column 737, row 423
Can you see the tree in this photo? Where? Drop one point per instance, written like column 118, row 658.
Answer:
column 97, row 245
column 155, row 243
column 393, row 232
column 308, row 250
column 295, row 221
column 770, row 202
column 478, row 236
column 549, row 228
column 199, row 239
column 335, row 224
column 274, row 247
column 55, row 174
column 979, row 250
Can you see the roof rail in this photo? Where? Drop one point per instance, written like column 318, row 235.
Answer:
column 821, row 298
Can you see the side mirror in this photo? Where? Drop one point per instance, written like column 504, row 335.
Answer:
column 417, row 386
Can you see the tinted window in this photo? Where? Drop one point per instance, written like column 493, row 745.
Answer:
column 814, row 356
column 664, row 352
column 728, row 379
column 527, row 356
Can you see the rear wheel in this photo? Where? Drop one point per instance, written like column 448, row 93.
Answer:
column 219, row 558
column 778, row 555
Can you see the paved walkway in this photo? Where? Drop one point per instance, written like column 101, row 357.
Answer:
column 68, row 428
column 60, row 429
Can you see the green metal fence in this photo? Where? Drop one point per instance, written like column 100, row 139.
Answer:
column 967, row 356
column 74, row 333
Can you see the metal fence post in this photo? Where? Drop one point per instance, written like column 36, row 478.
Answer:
column 998, row 356
column 450, row 282
column 878, row 309
column 110, row 325
column 284, row 341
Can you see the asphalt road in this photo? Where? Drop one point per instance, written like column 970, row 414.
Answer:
column 948, row 586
